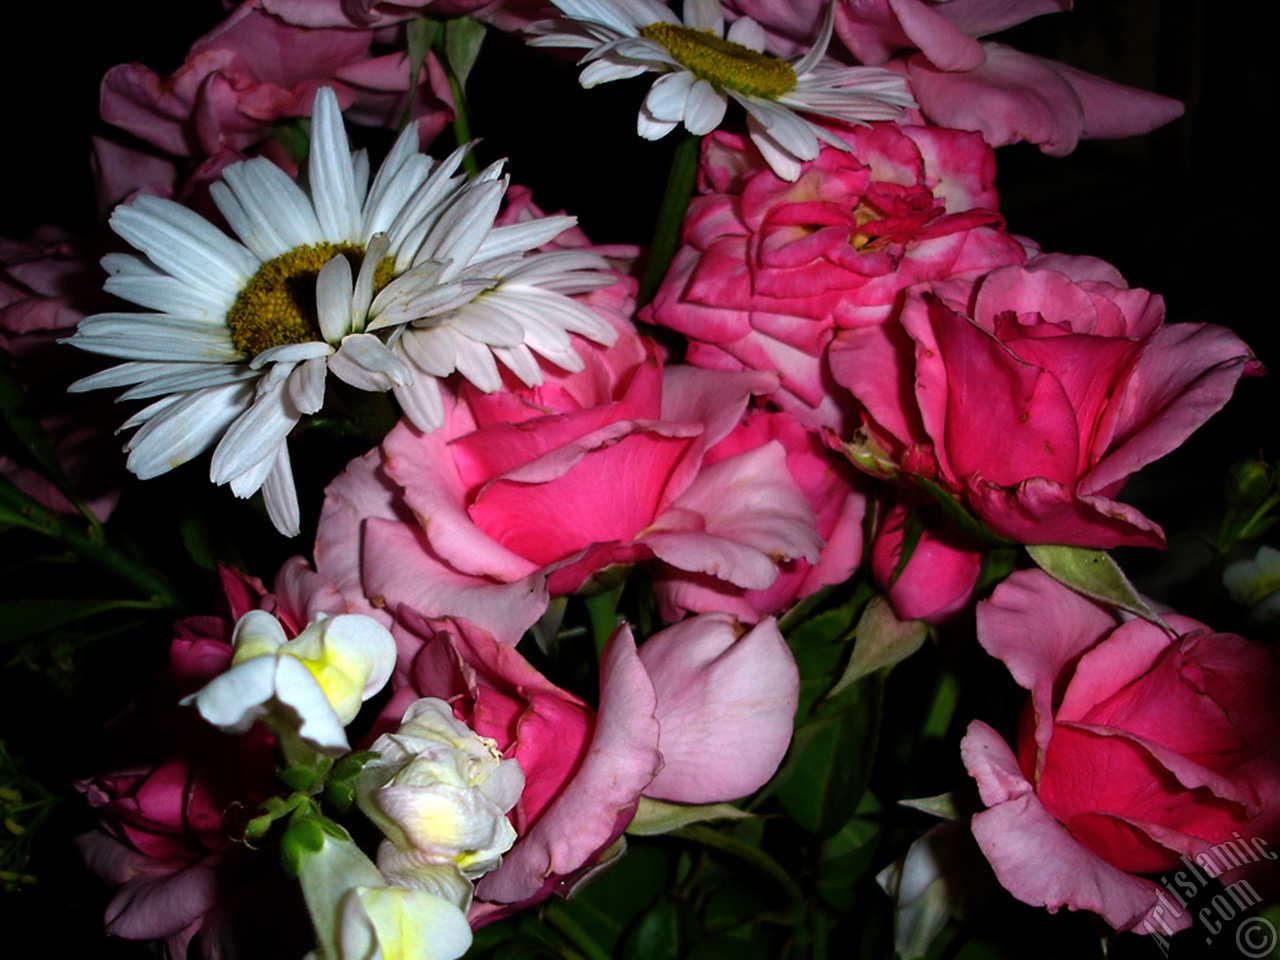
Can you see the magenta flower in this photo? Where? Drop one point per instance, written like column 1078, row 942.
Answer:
column 1033, row 393
column 1139, row 752
column 700, row 713
column 253, row 70
column 526, row 493
column 770, row 270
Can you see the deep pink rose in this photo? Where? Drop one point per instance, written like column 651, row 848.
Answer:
column 770, row 269
column 525, row 493
column 182, row 790
column 1140, row 752
column 939, row 576
column 702, row 712
column 1032, row 393
column 838, row 499
column 254, row 70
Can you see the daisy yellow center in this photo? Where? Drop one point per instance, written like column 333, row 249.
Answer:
column 278, row 304
column 723, row 62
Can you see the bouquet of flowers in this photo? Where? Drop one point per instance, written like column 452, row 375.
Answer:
column 574, row 561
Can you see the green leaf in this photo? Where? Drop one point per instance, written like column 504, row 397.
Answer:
column 882, row 640
column 1094, row 574
column 462, row 39
column 831, row 757
column 656, row 935
column 846, row 857
column 959, row 517
column 24, row 618
column 758, row 861
column 599, row 911
column 820, row 644
column 657, row 816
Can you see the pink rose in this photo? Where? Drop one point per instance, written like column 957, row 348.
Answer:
column 1032, row 393
column 380, row 13
column 1140, row 752
column 771, row 269
column 47, row 285
column 701, row 713
column 839, row 503
column 939, row 576
column 525, row 493
column 253, row 70
column 183, row 790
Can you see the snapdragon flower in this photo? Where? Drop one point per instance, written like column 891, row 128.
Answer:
column 310, row 687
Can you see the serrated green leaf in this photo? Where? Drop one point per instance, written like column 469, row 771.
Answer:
column 1094, row 574
column 462, row 40
column 655, row 817
column 881, row 640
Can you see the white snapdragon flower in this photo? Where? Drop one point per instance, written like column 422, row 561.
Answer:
column 440, row 793
column 311, row 686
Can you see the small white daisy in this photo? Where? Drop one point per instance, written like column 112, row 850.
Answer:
column 703, row 67
column 386, row 285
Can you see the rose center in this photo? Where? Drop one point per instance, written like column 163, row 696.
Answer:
column 278, row 304
column 723, row 62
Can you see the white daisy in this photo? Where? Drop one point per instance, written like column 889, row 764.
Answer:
column 386, row 285
column 703, row 67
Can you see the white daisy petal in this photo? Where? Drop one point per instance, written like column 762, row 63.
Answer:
column 367, row 363
column 126, row 373
column 520, row 361
column 668, row 96
column 748, row 33
column 334, row 289
column 191, row 376
column 280, row 495
column 705, row 109
column 254, row 436
column 184, row 430
column 154, row 336
column 333, row 179
column 306, row 385
column 270, row 212
column 523, row 237
column 421, row 403
column 184, row 244
column 704, row 15
column 604, row 71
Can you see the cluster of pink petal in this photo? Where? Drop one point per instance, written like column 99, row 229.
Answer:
column 1138, row 749
column 965, row 83
column 770, row 270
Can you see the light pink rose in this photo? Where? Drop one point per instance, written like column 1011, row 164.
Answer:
column 1032, row 394
column 525, row 493
column 1139, row 752
column 838, row 499
column 701, row 713
column 770, row 269
column 938, row 579
column 254, row 70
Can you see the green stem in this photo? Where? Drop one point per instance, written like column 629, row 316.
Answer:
column 39, row 519
column 946, row 695
column 462, row 125
column 675, row 203
column 602, row 609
